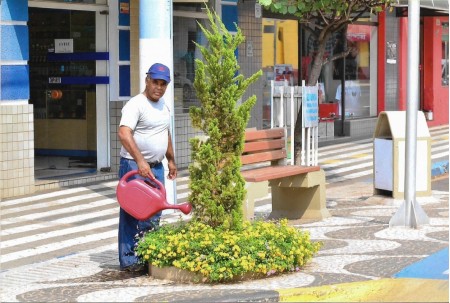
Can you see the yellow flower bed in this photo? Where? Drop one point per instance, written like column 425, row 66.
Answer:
column 260, row 247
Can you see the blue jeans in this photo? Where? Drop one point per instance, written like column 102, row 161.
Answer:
column 131, row 229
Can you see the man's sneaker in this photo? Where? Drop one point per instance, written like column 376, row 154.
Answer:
column 136, row 267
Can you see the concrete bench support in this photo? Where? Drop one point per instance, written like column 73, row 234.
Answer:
column 255, row 190
column 299, row 197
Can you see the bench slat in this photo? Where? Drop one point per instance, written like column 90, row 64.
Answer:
column 276, row 172
column 252, row 135
column 264, row 156
column 260, row 146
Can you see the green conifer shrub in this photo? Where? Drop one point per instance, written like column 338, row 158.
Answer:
column 217, row 187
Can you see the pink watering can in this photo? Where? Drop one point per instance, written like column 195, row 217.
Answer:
column 142, row 199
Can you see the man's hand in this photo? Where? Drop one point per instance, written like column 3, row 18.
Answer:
column 145, row 170
column 172, row 170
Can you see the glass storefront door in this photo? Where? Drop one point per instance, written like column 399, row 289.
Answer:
column 62, row 44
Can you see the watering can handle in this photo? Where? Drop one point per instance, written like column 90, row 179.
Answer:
column 131, row 173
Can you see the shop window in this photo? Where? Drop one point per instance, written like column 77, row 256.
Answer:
column 186, row 34
column 279, row 57
column 356, row 72
column 445, row 54
column 50, row 66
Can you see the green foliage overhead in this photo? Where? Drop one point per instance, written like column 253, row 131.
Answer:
column 330, row 10
column 217, row 187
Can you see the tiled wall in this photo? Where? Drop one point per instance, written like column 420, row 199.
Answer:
column 17, row 150
column 392, row 35
column 115, row 109
column 183, row 133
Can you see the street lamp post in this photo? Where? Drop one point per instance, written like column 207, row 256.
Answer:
column 410, row 214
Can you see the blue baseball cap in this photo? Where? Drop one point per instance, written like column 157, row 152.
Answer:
column 159, row 71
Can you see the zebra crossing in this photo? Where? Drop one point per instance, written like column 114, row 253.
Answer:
column 342, row 162
column 52, row 225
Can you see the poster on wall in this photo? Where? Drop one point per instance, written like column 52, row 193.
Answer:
column 391, row 52
column 310, row 106
column 125, row 8
column 284, row 72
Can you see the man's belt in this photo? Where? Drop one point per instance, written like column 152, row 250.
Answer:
column 153, row 164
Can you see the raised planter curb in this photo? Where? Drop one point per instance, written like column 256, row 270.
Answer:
column 184, row 276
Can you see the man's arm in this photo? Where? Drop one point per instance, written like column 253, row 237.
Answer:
column 171, row 159
column 126, row 138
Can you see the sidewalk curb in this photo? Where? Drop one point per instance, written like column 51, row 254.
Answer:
column 383, row 290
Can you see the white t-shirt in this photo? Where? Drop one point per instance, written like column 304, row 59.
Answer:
column 150, row 124
column 352, row 95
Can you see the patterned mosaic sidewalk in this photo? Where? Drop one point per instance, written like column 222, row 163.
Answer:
column 358, row 246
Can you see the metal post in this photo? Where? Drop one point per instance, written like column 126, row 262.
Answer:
column 292, row 126
column 343, row 96
column 272, row 104
column 410, row 214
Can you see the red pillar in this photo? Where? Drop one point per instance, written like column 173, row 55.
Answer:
column 381, row 76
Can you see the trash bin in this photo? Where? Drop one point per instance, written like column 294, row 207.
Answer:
column 389, row 155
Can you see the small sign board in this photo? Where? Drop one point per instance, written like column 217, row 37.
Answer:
column 63, row 45
column 54, row 80
column 258, row 10
column 310, row 106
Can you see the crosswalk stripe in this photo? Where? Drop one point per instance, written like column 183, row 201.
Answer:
column 58, row 202
column 55, row 194
column 58, row 222
column 349, row 176
column 440, row 155
column 59, row 232
column 349, row 168
column 57, row 246
column 63, row 211
column 336, row 147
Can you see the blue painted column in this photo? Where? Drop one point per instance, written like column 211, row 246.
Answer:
column 14, row 51
column 156, row 45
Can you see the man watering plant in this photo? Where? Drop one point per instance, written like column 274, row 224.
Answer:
column 146, row 140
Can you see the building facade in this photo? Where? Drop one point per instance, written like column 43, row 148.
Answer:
column 68, row 67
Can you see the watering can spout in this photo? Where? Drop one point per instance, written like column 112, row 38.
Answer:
column 144, row 198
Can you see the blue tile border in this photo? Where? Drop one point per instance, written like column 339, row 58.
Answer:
column 434, row 266
column 439, row 168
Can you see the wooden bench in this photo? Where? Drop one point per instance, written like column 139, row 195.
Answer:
column 298, row 192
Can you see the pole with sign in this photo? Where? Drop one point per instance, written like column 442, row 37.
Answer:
column 310, row 123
